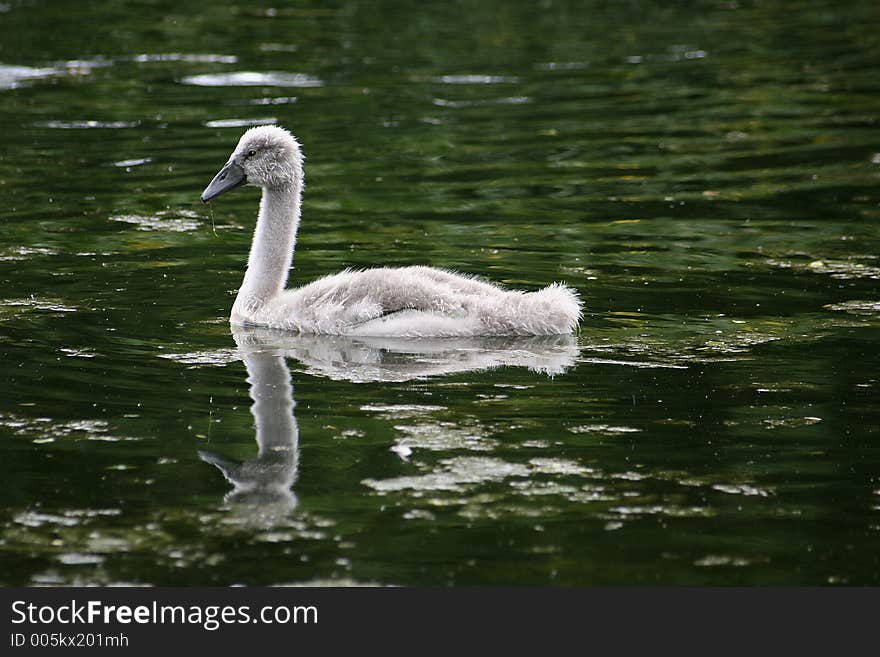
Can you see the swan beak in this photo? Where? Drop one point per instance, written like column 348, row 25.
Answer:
column 230, row 177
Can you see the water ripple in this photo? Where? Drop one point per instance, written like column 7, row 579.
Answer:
column 12, row 77
column 239, row 123
column 185, row 57
column 253, row 79
column 159, row 223
column 86, row 124
column 475, row 79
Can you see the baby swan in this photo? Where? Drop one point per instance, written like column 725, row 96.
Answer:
column 399, row 302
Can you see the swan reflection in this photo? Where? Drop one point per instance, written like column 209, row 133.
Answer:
column 262, row 486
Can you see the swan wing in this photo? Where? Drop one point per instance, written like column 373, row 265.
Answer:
column 421, row 302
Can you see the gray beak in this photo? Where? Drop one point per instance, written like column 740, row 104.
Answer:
column 230, row 176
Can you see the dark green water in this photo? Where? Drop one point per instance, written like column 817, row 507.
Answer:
column 705, row 174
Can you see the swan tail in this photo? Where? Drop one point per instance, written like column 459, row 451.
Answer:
column 555, row 309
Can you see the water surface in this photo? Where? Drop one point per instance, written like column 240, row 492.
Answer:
column 706, row 177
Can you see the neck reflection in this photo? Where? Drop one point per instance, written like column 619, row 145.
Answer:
column 265, row 481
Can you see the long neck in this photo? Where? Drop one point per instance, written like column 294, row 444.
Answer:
column 272, row 248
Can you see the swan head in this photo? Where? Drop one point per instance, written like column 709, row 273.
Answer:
column 266, row 156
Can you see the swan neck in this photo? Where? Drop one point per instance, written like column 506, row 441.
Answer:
column 271, row 254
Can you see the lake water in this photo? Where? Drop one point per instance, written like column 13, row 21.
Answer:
column 706, row 177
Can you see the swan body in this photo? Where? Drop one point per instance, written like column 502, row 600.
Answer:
column 413, row 301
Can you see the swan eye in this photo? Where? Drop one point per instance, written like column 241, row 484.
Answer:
column 251, row 153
